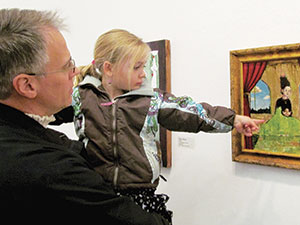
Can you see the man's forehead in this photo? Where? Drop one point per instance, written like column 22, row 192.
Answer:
column 57, row 50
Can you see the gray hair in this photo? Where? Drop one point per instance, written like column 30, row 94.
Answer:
column 23, row 43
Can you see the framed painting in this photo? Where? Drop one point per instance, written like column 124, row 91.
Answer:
column 158, row 70
column 265, row 84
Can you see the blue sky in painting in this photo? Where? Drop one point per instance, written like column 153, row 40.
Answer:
column 260, row 96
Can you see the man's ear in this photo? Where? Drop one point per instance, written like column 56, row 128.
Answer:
column 25, row 85
column 107, row 68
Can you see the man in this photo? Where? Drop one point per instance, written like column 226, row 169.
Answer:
column 41, row 169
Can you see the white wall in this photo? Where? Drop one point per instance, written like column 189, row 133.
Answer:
column 205, row 186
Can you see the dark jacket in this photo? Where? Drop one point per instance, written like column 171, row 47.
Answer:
column 41, row 169
column 122, row 135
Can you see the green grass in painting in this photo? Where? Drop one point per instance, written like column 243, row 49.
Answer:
column 280, row 134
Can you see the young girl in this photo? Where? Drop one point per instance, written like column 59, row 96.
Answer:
column 117, row 115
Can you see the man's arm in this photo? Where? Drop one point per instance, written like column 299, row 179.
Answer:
column 70, row 179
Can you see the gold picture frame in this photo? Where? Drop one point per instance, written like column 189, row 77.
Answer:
column 261, row 82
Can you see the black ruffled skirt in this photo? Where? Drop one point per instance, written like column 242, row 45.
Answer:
column 149, row 201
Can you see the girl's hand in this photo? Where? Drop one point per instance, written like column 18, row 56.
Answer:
column 245, row 125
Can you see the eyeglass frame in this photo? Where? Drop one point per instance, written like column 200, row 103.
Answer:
column 73, row 68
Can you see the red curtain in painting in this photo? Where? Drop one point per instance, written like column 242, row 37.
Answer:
column 252, row 73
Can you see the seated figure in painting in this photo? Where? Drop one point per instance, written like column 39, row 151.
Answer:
column 281, row 134
column 284, row 102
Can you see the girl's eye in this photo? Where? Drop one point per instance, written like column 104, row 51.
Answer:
column 138, row 67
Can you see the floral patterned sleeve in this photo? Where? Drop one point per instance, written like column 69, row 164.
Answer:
column 78, row 115
column 184, row 114
column 76, row 101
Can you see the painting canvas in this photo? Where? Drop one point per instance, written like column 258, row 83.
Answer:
column 265, row 84
column 158, row 72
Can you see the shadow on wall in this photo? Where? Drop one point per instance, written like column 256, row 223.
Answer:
column 267, row 173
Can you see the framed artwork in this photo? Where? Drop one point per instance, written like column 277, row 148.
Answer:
column 158, row 70
column 265, row 84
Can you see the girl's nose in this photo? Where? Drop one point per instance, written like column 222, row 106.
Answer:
column 143, row 74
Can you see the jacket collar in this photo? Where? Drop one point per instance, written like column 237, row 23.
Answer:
column 145, row 89
column 15, row 117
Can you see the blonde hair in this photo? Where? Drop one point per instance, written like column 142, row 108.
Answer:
column 114, row 46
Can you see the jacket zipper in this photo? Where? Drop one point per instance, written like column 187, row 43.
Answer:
column 114, row 143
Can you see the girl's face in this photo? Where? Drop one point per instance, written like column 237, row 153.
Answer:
column 125, row 78
column 286, row 92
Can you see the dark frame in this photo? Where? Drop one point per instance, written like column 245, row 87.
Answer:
column 163, row 48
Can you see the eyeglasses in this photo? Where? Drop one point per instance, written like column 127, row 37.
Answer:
column 70, row 66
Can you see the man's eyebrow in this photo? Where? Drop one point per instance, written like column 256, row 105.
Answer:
column 67, row 63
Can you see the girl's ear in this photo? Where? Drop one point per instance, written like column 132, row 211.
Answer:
column 107, row 68
column 25, row 85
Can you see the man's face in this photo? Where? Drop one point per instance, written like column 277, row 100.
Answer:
column 55, row 88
